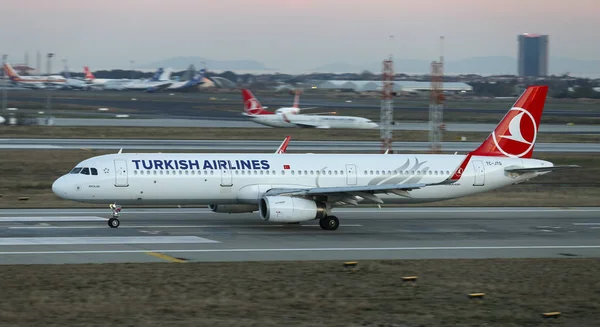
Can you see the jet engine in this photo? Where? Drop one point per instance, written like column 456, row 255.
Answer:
column 233, row 208
column 290, row 209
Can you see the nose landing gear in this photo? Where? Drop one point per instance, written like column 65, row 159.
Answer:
column 114, row 222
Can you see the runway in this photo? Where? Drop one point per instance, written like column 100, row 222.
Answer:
column 40, row 236
column 266, row 146
column 243, row 122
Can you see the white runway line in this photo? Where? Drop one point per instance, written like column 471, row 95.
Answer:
column 50, row 218
column 586, row 224
column 435, row 248
column 169, row 226
column 103, row 240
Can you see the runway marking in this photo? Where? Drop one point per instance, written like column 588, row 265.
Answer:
column 516, row 247
column 50, row 218
column 166, row 226
column 103, row 240
column 586, row 224
column 165, row 257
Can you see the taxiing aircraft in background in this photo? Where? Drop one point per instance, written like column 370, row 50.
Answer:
column 290, row 116
column 292, row 188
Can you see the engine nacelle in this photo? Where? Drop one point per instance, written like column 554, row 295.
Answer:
column 290, row 209
column 233, row 208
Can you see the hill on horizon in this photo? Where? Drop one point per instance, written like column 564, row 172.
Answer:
column 491, row 65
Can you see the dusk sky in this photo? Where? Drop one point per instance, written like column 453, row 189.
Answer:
column 290, row 34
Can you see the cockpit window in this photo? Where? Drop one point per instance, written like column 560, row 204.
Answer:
column 75, row 170
column 94, row 171
column 85, row 171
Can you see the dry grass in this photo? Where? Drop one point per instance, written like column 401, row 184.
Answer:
column 31, row 174
column 517, row 292
column 197, row 133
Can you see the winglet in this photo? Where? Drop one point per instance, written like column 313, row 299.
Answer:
column 120, row 151
column 284, row 145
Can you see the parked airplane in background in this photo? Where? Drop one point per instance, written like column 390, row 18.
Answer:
column 289, row 117
column 196, row 80
column 91, row 79
column 34, row 82
column 292, row 188
column 160, row 80
column 73, row 83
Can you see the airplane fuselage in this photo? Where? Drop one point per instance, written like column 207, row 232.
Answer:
column 312, row 121
column 203, row 179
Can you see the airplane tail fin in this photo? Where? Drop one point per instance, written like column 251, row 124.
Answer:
column 296, row 99
column 515, row 135
column 88, row 74
column 157, row 74
column 199, row 76
column 251, row 104
column 166, row 75
column 11, row 72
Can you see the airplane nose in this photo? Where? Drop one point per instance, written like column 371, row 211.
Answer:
column 59, row 187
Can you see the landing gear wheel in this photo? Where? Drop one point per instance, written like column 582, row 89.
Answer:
column 113, row 222
column 329, row 223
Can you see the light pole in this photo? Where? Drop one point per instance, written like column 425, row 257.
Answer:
column 5, row 84
column 49, row 94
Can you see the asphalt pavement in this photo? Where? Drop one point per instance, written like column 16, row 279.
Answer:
column 53, row 236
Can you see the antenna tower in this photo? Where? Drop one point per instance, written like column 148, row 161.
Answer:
column 387, row 104
column 436, row 104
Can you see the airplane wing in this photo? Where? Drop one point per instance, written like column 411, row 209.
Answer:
column 349, row 194
column 309, row 125
column 283, row 145
column 524, row 170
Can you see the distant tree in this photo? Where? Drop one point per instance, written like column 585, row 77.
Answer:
column 366, row 75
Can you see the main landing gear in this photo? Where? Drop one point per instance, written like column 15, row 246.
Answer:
column 113, row 222
column 329, row 223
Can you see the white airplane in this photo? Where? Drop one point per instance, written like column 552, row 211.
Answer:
column 34, row 82
column 290, row 117
column 292, row 188
column 184, row 86
column 160, row 80
column 104, row 83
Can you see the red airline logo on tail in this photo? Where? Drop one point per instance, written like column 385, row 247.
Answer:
column 251, row 104
column 516, row 134
column 88, row 73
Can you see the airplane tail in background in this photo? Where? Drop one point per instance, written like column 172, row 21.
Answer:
column 251, row 104
column 296, row 99
column 515, row 135
column 66, row 71
column 166, row 75
column 157, row 74
column 88, row 74
column 199, row 76
column 11, row 72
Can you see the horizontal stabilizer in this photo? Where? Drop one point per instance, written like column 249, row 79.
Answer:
column 523, row 170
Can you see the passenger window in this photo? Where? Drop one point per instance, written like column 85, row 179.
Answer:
column 85, row 171
column 94, row 171
column 75, row 170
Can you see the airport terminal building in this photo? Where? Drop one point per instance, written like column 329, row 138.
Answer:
column 400, row 87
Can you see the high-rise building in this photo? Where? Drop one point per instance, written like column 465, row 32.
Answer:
column 533, row 55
